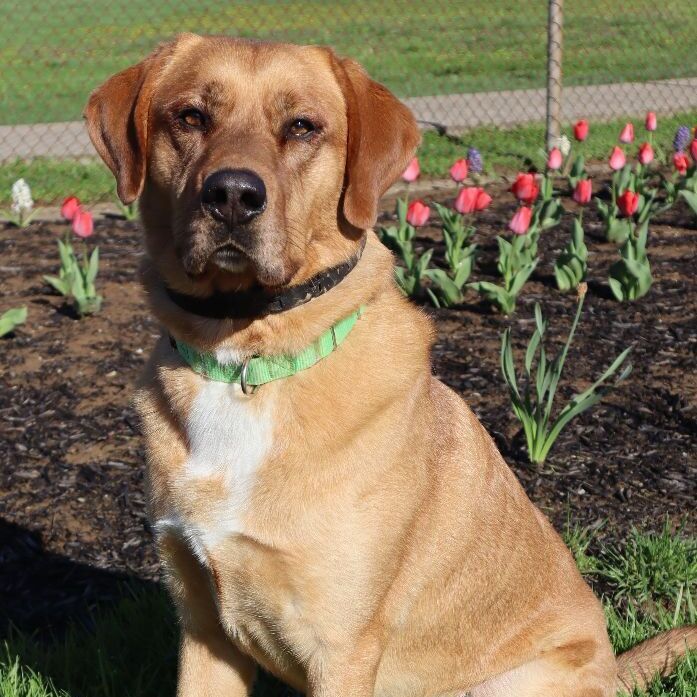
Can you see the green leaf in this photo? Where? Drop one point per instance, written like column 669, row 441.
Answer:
column 62, row 285
column 11, row 319
column 93, row 266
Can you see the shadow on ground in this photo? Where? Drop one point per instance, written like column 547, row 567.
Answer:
column 87, row 631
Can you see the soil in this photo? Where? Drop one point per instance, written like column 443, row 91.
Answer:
column 73, row 524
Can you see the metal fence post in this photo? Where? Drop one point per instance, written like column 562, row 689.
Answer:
column 555, row 23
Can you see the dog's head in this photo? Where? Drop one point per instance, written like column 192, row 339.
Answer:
column 253, row 162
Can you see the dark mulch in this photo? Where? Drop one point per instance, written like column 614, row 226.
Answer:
column 71, row 466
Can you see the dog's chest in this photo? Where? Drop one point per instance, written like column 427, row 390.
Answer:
column 228, row 437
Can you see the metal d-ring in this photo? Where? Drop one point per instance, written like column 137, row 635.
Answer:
column 246, row 388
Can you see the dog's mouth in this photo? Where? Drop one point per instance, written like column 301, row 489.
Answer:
column 229, row 257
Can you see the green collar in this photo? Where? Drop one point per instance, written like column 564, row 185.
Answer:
column 262, row 369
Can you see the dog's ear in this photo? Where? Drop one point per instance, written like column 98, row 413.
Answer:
column 117, row 121
column 382, row 139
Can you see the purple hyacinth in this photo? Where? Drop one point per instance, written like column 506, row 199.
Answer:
column 474, row 157
column 682, row 139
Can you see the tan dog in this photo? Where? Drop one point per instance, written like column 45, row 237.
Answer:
column 351, row 528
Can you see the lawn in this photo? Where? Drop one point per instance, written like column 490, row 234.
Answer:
column 52, row 58
column 504, row 151
column 648, row 585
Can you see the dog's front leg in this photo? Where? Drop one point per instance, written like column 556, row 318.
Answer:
column 211, row 666
column 348, row 673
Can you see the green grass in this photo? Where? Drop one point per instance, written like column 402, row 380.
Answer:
column 52, row 180
column 131, row 651
column 504, row 151
column 512, row 149
column 52, row 57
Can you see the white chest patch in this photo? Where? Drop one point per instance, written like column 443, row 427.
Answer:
column 229, row 437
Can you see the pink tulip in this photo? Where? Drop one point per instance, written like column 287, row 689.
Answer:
column 459, row 171
column 628, row 202
column 627, row 134
column 645, row 154
column 417, row 213
column 70, row 207
column 520, row 223
column 471, row 199
column 581, row 130
column 681, row 162
column 83, row 225
column 555, row 159
column 583, row 191
column 651, row 122
column 617, row 158
column 483, row 200
column 525, row 188
column 411, row 173
column 693, row 150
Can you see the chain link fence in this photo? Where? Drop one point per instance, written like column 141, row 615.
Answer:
column 459, row 64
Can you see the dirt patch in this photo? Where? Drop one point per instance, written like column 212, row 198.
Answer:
column 71, row 461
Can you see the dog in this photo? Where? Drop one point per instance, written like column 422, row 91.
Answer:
column 323, row 507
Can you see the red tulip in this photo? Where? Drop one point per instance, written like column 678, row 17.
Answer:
column 627, row 134
column 83, row 225
column 681, row 162
column 555, row 159
column 472, row 199
column 525, row 188
column 459, row 171
column 417, row 213
column 581, row 130
column 70, row 207
column 520, row 223
column 583, row 191
column 411, row 173
column 617, row 158
column 628, row 202
column 645, row 154
column 693, row 150
column 651, row 122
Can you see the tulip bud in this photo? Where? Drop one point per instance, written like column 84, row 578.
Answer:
column 520, row 223
column 555, row 159
column 581, row 130
column 693, row 150
column 628, row 202
column 627, row 134
column 583, row 191
column 483, row 200
column 525, row 188
column 70, row 207
column 411, row 173
column 471, row 199
column 651, row 122
column 459, row 170
column 645, row 154
column 681, row 162
column 617, row 158
column 417, row 213
column 83, row 225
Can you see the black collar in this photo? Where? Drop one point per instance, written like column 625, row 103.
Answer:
column 257, row 301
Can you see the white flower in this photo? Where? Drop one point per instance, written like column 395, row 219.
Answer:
column 563, row 143
column 21, row 197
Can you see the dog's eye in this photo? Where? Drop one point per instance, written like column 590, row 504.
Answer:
column 193, row 118
column 300, row 128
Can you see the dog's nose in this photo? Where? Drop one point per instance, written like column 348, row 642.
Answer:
column 234, row 196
